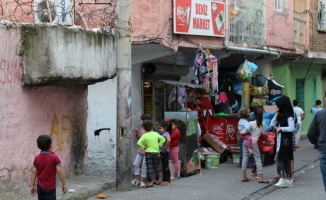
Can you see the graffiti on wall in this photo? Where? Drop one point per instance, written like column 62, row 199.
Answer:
column 9, row 74
column 69, row 132
column 61, row 129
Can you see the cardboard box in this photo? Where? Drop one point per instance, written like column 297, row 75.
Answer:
column 210, row 141
column 269, row 108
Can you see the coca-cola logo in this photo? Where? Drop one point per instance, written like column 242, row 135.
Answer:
column 275, row 92
column 230, row 130
column 217, row 129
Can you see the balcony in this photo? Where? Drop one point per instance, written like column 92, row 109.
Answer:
column 56, row 55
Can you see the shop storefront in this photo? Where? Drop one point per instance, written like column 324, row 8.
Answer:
column 209, row 102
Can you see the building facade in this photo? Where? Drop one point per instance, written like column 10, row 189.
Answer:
column 282, row 37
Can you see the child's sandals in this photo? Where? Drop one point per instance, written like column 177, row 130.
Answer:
column 135, row 182
column 157, row 182
column 149, row 185
column 165, row 183
column 143, row 185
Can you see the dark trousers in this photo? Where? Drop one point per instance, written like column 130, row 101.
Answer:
column 46, row 194
column 322, row 161
column 152, row 162
column 165, row 167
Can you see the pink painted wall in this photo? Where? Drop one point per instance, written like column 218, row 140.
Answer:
column 155, row 20
column 25, row 113
column 149, row 19
column 279, row 27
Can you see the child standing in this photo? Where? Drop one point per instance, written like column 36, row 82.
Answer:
column 163, row 128
column 151, row 142
column 244, row 127
column 174, row 147
column 140, row 157
column 45, row 167
column 297, row 123
column 316, row 108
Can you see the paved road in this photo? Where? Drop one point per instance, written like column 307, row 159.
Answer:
column 225, row 183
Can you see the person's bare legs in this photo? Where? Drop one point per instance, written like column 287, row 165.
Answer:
column 244, row 176
column 254, row 176
column 261, row 179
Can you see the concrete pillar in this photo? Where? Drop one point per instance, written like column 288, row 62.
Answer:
column 124, row 156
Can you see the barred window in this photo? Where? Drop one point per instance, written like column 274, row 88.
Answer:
column 321, row 15
column 279, row 5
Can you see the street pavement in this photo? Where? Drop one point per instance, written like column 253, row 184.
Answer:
column 223, row 183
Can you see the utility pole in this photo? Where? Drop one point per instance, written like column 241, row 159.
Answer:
column 124, row 163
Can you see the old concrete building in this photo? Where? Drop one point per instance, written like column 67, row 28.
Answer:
column 304, row 76
column 53, row 68
column 44, row 73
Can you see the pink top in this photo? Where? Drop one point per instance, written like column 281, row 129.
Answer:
column 138, row 135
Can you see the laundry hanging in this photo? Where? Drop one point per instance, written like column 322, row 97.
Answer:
column 206, row 70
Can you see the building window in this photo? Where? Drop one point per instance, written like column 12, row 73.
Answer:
column 300, row 92
column 279, row 5
column 321, row 15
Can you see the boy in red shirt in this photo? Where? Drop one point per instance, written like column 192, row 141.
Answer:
column 45, row 167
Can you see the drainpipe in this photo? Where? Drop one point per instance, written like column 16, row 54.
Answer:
column 241, row 49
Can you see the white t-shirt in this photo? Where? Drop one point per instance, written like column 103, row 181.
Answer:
column 298, row 111
column 255, row 131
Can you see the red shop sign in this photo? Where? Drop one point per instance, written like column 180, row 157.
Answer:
column 199, row 17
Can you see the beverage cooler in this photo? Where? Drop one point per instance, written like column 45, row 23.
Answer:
column 226, row 128
column 188, row 136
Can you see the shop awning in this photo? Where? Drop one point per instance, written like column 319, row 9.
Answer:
column 184, row 84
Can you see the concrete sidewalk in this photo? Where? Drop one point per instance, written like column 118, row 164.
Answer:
column 222, row 183
column 84, row 187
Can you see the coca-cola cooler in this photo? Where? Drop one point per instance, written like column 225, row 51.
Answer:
column 226, row 128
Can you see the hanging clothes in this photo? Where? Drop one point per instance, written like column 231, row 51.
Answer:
column 177, row 94
column 214, row 78
column 206, row 71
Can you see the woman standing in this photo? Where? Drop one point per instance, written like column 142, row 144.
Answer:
column 256, row 129
column 283, row 122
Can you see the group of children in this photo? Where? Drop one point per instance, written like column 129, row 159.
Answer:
column 153, row 148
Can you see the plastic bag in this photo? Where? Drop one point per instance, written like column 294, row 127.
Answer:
column 244, row 72
column 252, row 66
column 266, row 142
